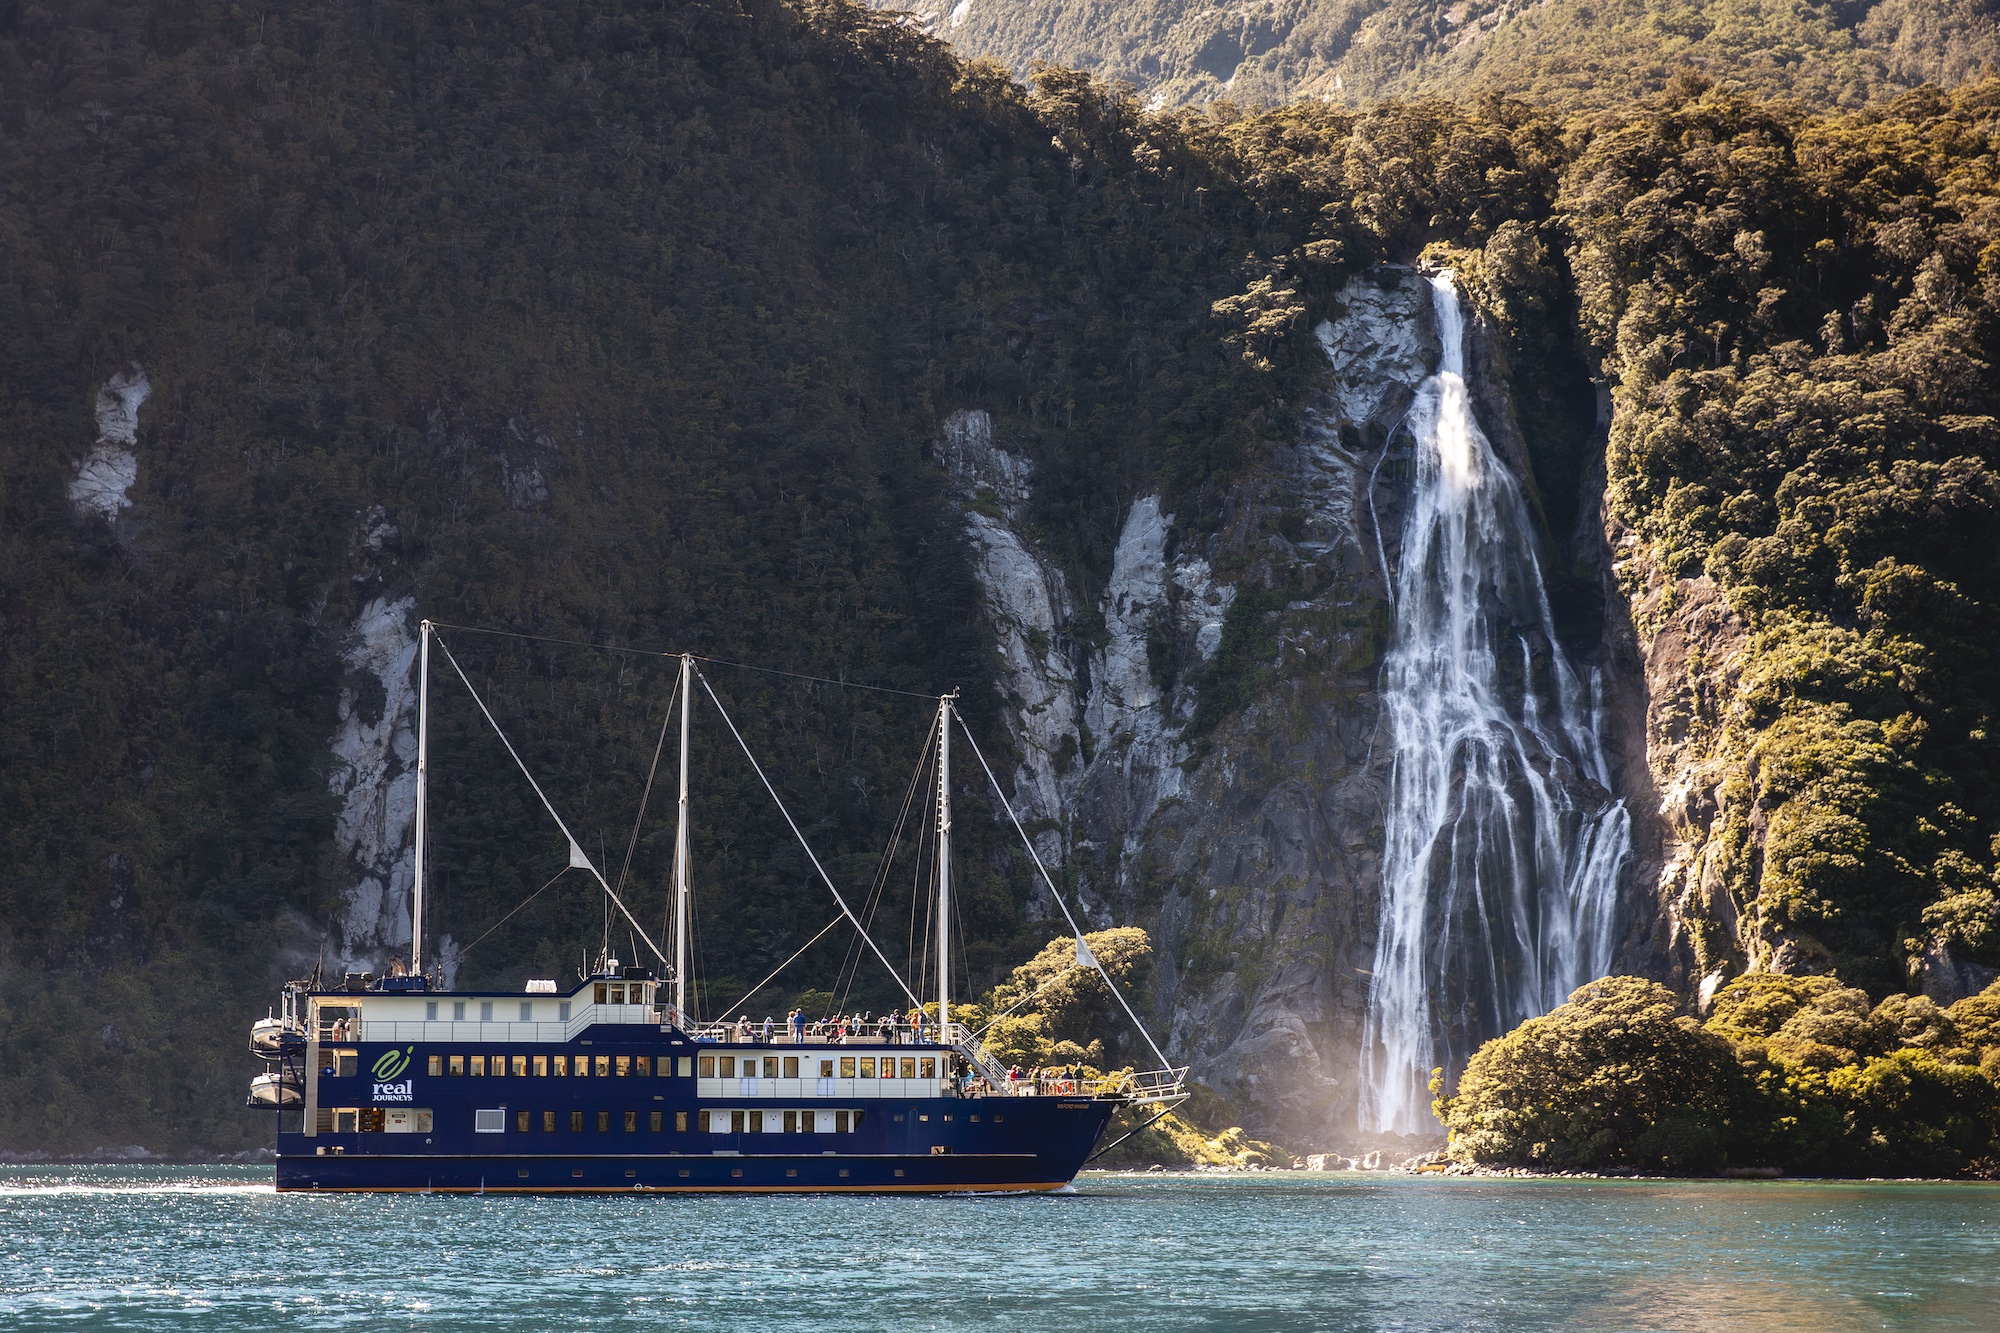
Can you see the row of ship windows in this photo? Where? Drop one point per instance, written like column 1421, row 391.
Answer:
column 644, row 1066
column 556, row 1066
column 864, row 1066
column 379, row 1120
column 458, row 1014
column 606, row 993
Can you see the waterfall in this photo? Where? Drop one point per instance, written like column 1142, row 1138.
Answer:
column 1503, row 841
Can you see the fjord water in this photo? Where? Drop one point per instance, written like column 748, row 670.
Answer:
column 147, row 1248
column 1502, row 842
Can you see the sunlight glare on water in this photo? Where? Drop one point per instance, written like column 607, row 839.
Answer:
column 148, row 1248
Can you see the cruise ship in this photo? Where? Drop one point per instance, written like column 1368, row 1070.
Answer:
column 392, row 1083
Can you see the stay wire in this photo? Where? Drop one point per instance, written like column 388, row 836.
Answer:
column 838, row 918
column 1029, row 843
column 574, row 849
column 647, row 795
column 887, row 863
column 800, row 834
column 510, row 912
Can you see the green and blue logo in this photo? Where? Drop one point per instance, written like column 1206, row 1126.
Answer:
column 391, row 1064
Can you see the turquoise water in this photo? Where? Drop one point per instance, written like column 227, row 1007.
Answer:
column 214, row 1248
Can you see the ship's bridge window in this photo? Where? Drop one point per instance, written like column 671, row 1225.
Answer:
column 603, row 993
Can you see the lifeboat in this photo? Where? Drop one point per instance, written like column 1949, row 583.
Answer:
column 265, row 1035
column 275, row 1089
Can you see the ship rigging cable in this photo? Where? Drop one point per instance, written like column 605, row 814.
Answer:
column 581, row 861
column 1083, row 951
column 577, row 856
column 797, row 833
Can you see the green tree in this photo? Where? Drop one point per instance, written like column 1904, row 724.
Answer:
column 1616, row 1076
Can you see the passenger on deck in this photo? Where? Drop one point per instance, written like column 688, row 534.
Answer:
column 743, row 1027
column 767, row 1029
column 796, row 1020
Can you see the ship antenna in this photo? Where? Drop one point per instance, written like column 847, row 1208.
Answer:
column 681, row 852
column 423, row 791
column 945, row 713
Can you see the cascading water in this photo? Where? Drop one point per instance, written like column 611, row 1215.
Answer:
column 1503, row 842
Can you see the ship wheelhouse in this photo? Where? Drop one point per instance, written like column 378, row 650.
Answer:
column 392, row 1083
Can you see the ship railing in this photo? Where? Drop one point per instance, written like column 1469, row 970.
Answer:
column 1134, row 1089
column 816, row 1034
column 1144, row 1088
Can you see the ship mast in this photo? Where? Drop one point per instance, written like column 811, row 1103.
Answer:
column 944, row 865
column 681, row 852
column 423, row 789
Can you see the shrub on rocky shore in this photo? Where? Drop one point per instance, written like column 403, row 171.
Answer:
column 1796, row 1073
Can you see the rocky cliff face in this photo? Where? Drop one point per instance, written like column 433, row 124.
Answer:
column 1221, row 754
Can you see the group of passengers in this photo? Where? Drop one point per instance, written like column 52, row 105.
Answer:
column 1048, row 1080
column 890, row 1028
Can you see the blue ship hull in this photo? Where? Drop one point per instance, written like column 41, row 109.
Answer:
column 762, row 1173
column 655, row 1134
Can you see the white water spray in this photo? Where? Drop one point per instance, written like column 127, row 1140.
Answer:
column 1503, row 842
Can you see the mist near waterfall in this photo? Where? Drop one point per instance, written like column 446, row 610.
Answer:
column 1503, row 840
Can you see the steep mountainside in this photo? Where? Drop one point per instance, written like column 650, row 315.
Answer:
column 779, row 333
column 622, row 323
column 1574, row 54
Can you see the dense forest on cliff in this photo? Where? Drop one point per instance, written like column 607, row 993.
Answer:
column 632, row 323
column 1567, row 54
